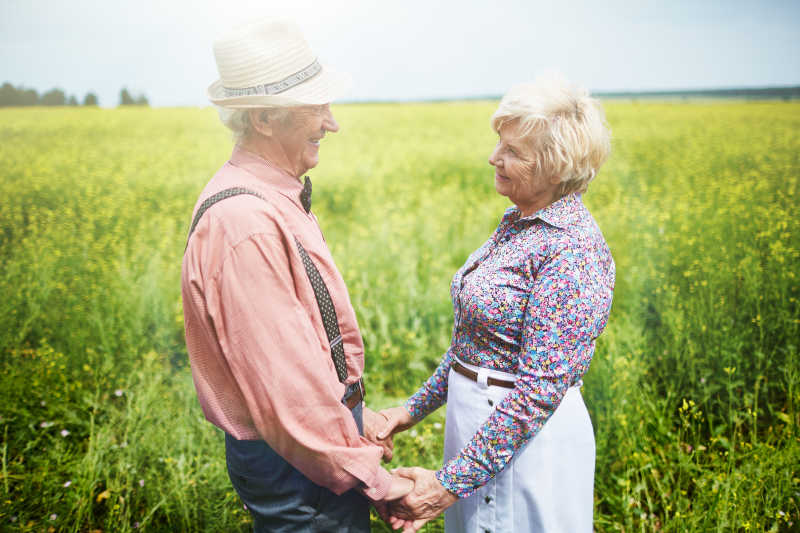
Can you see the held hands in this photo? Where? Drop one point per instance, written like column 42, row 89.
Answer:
column 373, row 424
column 397, row 420
column 407, row 506
column 427, row 500
column 401, row 486
column 379, row 428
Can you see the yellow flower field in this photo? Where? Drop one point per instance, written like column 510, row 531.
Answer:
column 694, row 391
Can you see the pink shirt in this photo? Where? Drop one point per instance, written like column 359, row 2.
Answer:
column 261, row 361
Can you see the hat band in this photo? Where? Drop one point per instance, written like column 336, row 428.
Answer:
column 279, row 86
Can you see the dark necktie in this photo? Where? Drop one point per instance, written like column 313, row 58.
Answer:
column 305, row 195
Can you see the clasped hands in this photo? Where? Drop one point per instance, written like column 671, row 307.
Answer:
column 415, row 496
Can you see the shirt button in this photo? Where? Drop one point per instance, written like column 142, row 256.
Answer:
column 490, row 402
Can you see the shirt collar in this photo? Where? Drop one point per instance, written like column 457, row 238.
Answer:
column 560, row 214
column 268, row 173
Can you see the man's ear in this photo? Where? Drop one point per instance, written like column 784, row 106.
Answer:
column 260, row 121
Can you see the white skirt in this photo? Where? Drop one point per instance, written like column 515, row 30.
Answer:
column 546, row 487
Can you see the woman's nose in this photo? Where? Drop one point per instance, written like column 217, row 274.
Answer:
column 493, row 159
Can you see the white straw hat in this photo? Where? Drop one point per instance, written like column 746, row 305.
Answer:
column 269, row 63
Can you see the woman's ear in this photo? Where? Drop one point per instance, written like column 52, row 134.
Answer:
column 260, row 121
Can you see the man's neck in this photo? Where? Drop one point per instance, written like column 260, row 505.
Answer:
column 270, row 151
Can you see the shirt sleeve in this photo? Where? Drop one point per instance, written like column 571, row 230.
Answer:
column 280, row 366
column 558, row 343
column 433, row 393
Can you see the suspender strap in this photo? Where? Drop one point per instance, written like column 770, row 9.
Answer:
column 211, row 200
column 323, row 297
column 325, row 304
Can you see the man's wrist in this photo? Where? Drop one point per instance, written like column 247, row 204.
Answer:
column 379, row 487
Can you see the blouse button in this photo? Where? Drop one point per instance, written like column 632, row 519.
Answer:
column 490, row 402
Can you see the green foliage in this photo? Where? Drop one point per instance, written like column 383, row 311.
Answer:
column 125, row 98
column 17, row 96
column 90, row 99
column 11, row 96
column 53, row 97
column 693, row 391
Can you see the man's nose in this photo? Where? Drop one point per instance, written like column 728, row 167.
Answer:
column 329, row 123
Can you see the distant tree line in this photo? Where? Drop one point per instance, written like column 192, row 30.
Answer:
column 744, row 93
column 11, row 96
column 125, row 98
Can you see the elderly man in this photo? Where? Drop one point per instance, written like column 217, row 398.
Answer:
column 275, row 349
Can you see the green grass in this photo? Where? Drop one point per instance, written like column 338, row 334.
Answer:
column 693, row 391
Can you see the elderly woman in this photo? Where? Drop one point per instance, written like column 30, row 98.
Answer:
column 529, row 304
column 276, row 353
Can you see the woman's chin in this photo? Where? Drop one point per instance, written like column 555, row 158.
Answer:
column 502, row 185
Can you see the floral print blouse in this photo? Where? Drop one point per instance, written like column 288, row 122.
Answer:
column 531, row 301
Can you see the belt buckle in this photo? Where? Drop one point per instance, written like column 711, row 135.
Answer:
column 353, row 389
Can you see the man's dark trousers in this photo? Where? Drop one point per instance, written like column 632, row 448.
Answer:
column 282, row 500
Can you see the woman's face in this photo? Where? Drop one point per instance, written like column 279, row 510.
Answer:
column 515, row 172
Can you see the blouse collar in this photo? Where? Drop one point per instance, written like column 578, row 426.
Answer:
column 560, row 214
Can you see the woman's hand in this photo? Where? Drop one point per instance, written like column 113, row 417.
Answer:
column 397, row 420
column 401, row 486
column 428, row 500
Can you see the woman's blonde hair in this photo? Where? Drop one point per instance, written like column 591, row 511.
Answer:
column 565, row 127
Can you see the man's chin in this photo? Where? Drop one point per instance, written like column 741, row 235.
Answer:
column 310, row 162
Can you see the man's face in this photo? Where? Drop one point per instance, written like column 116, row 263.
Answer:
column 300, row 135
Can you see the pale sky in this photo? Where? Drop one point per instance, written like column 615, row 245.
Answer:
column 407, row 50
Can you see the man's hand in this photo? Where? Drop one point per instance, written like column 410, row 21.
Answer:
column 373, row 424
column 428, row 499
column 397, row 420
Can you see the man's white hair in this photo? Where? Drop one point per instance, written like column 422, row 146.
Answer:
column 238, row 120
column 564, row 126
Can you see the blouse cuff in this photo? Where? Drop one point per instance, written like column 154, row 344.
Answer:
column 452, row 484
column 415, row 406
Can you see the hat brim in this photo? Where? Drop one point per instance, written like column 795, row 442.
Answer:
column 323, row 88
